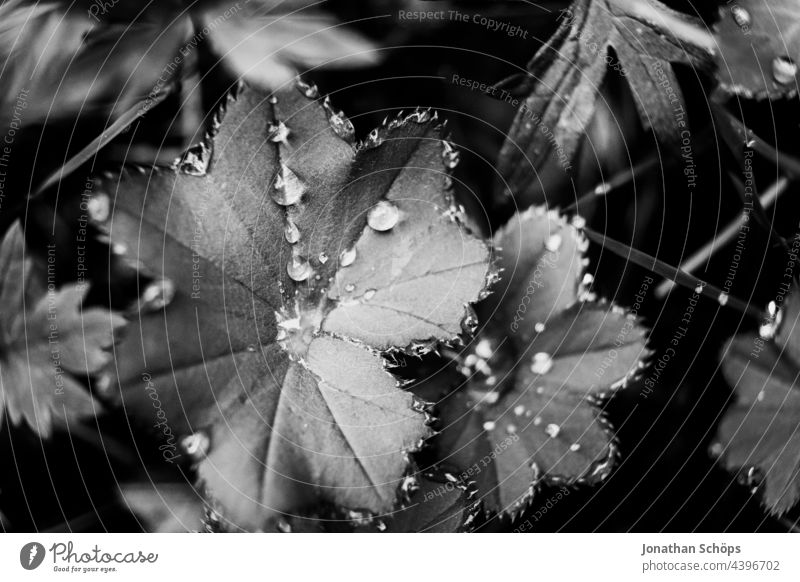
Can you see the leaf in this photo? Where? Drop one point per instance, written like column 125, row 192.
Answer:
column 760, row 432
column 758, row 48
column 526, row 410
column 164, row 507
column 49, row 342
column 637, row 39
column 268, row 249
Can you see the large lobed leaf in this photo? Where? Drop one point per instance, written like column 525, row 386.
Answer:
column 760, row 433
column 295, row 259
column 49, row 342
column 526, row 409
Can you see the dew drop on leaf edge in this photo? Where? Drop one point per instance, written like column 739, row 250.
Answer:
column 383, row 216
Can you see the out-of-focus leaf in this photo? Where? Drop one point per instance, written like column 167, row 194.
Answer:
column 758, row 48
column 639, row 39
column 164, row 507
column 760, row 433
column 548, row 352
column 270, row 251
column 49, row 342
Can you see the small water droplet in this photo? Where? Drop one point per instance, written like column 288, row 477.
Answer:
column 99, row 207
column 741, row 16
column 251, row 348
column 538, row 327
column 769, row 327
column 310, row 90
column 288, row 188
column 273, row 99
column 298, row 269
column 542, row 363
column 552, row 430
column 553, row 243
column 450, row 155
column 284, row 526
column 784, row 70
column 349, row 287
column 484, row 349
column 158, row 294
column 575, row 447
column 536, row 421
column 196, row 445
column 383, row 216
column 540, row 390
column 723, row 299
column 489, row 425
column 369, row 294
column 278, row 132
column 348, row 257
column 578, row 222
column 519, row 410
column 588, row 279
column 323, row 258
column 469, row 324
column 716, row 450
column 491, row 397
column 511, row 429
column 699, row 289
column 291, row 232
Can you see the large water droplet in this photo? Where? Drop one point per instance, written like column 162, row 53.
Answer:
column 489, row 425
column 278, row 132
column 741, row 16
column 383, row 216
column 484, row 349
column 519, row 410
column 340, row 124
column 552, row 430
column 291, row 232
column 348, row 257
column 196, row 445
column 575, row 447
column 158, row 294
column 538, row 327
column 99, row 207
column 288, row 188
column 784, row 70
column 542, row 363
column 298, row 269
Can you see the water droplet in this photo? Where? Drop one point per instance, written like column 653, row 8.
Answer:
column 536, row 421
column 369, row 294
column 716, row 450
column 99, row 207
column 278, row 133
column 373, row 140
column 699, row 289
column 323, row 258
column 553, row 243
column 575, row 447
column 291, row 232
column 538, row 327
column 349, row 287
column 196, row 445
column 273, row 99
column 511, row 429
column 348, row 257
column 251, row 348
column 158, row 294
column 519, row 410
column 578, row 222
column 540, row 390
column 552, row 430
column 542, row 363
column 769, row 327
column 450, row 155
column 484, row 349
column 491, row 397
column 588, row 279
column 283, row 526
column 741, row 16
column 288, row 188
column 760, row 396
column 340, row 124
column 102, row 384
column 489, row 425
column 784, row 70
column 310, row 90
column 298, row 269
column 470, row 322
column 409, row 484
column 383, row 216
column 723, row 299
